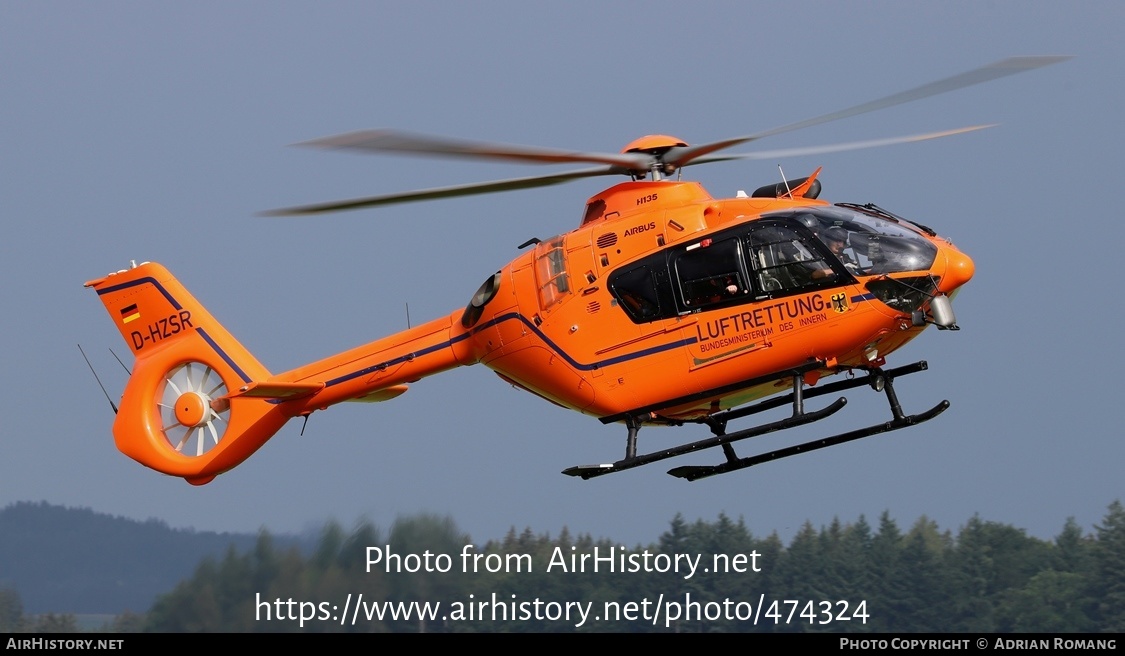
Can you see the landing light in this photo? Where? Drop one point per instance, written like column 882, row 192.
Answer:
column 877, row 382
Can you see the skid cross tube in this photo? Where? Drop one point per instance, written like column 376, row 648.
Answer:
column 877, row 379
column 589, row 471
column 694, row 472
column 812, row 393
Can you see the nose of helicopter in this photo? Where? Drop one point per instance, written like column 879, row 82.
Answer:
column 959, row 269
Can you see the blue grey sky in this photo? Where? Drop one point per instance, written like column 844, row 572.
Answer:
column 157, row 131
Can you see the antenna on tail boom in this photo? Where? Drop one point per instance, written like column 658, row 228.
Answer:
column 111, row 403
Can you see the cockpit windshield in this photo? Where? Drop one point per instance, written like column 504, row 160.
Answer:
column 869, row 245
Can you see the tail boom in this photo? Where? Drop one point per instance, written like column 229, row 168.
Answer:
column 381, row 368
column 198, row 403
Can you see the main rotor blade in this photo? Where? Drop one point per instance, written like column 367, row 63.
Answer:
column 682, row 155
column 446, row 192
column 836, row 148
column 432, row 145
column 547, row 180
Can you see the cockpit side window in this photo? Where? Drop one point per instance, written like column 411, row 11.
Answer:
column 786, row 262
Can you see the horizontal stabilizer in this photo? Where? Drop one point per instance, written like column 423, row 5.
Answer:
column 278, row 391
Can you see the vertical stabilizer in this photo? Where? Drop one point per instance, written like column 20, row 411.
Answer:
column 180, row 413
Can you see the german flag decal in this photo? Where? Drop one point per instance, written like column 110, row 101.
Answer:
column 130, row 313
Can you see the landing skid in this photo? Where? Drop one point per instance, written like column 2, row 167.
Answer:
column 877, row 379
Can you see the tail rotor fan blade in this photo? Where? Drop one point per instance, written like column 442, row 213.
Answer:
column 189, row 421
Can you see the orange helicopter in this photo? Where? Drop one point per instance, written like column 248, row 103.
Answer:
column 666, row 306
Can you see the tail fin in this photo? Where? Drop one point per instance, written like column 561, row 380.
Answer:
column 186, row 410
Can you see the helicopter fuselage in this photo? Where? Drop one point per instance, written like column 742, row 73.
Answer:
column 668, row 304
column 665, row 305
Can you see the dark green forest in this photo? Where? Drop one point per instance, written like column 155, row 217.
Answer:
column 852, row 577
column 74, row 560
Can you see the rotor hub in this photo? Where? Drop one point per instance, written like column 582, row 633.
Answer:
column 656, row 144
column 192, row 409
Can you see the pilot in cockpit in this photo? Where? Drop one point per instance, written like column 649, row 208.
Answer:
column 836, row 238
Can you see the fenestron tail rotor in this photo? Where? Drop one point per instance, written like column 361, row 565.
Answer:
column 194, row 414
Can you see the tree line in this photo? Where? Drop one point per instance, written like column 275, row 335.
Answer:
column 854, row 577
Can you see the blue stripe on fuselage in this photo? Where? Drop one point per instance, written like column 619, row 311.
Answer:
column 530, row 326
column 511, row 316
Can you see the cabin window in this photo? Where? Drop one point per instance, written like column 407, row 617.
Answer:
column 550, row 272
column 636, row 292
column 710, row 272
